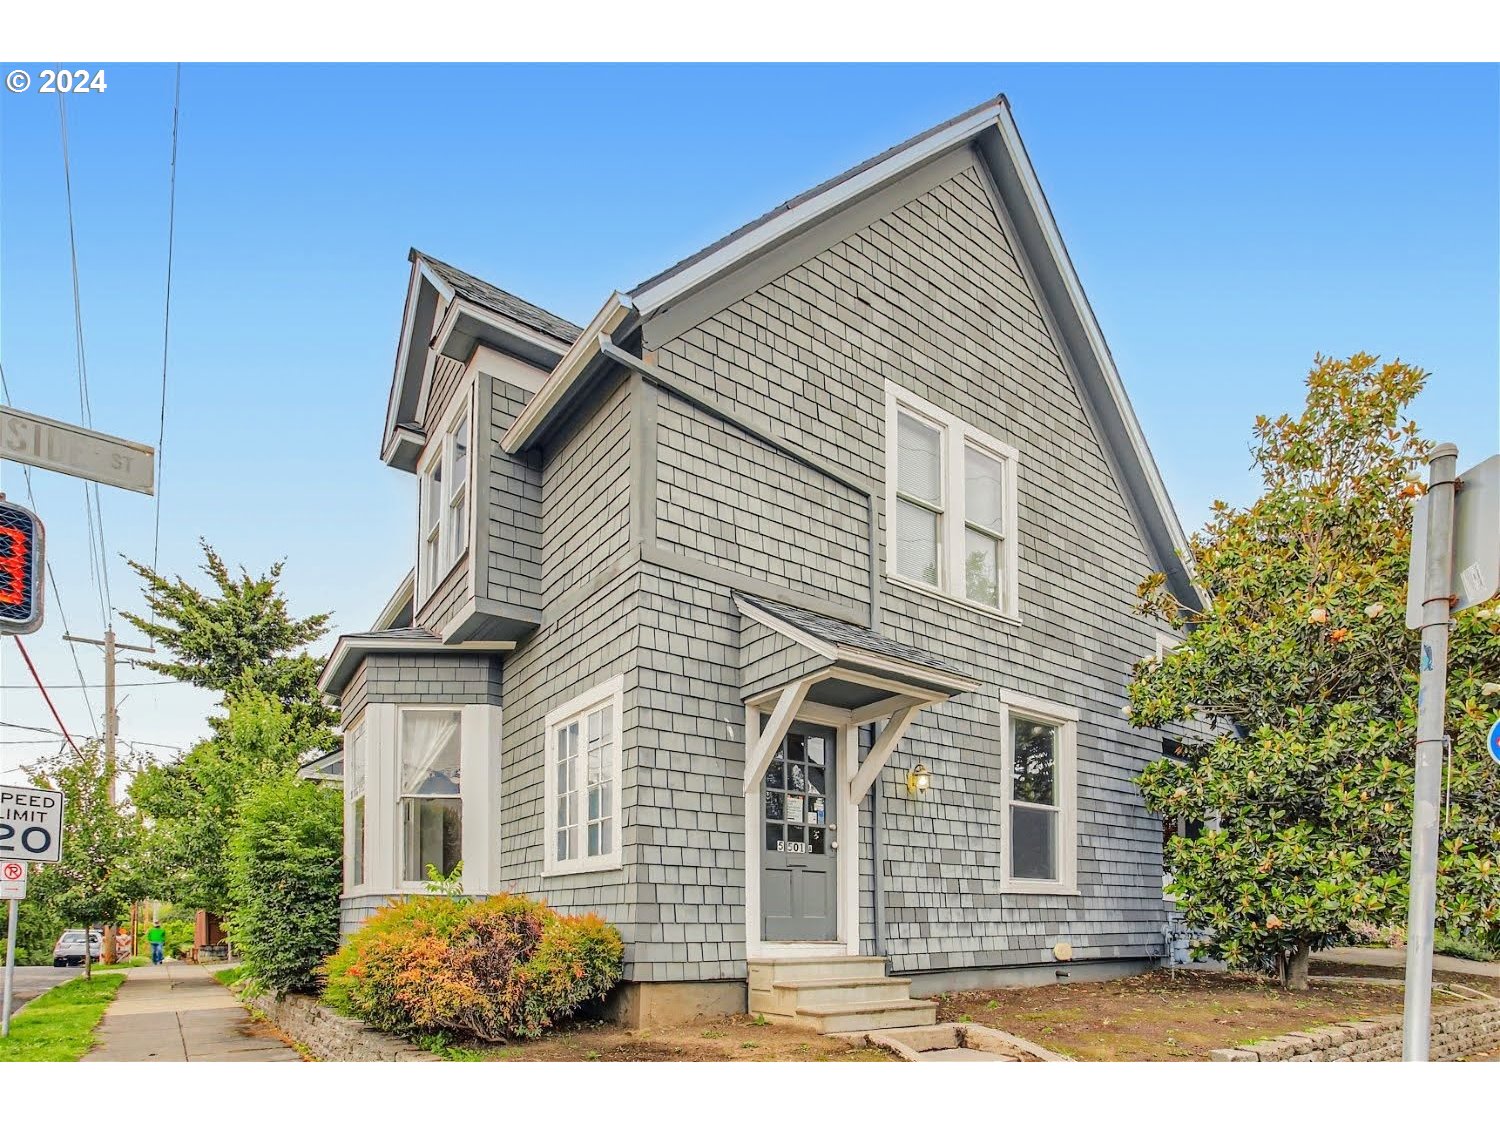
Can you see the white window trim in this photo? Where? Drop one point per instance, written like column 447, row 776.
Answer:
column 956, row 435
column 1165, row 643
column 398, row 821
column 612, row 691
column 1013, row 704
column 359, row 730
column 441, row 446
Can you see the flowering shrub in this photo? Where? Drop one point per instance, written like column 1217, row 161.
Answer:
column 495, row 968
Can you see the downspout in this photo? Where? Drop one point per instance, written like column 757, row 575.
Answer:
column 877, row 860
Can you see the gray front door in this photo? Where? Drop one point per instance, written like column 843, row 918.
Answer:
column 799, row 869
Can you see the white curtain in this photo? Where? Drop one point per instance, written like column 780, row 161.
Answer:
column 429, row 753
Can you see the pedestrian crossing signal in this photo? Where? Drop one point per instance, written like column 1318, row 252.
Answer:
column 22, row 564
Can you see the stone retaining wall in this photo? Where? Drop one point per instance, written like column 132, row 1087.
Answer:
column 1457, row 1030
column 331, row 1037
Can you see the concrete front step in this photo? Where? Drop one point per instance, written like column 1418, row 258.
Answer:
column 870, row 1016
column 790, row 996
column 766, row 971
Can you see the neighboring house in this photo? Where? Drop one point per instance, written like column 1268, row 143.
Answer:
column 782, row 615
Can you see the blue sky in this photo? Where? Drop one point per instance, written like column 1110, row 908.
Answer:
column 1228, row 222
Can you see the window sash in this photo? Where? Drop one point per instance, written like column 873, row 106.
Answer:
column 583, row 783
column 443, row 504
column 961, row 449
column 1040, row 829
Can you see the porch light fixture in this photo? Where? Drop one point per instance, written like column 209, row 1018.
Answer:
column 918, row 780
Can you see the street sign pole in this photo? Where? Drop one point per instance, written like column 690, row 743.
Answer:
column 1437, row 612
column 10, row 965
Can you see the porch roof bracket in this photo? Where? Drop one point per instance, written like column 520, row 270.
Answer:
column 782, row 716
column 889, row 736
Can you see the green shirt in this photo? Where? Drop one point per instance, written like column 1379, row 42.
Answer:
column 156, row 933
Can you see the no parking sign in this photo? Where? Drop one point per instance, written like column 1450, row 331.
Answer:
column 12, row 879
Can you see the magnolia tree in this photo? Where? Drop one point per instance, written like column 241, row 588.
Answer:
column 1296, row 685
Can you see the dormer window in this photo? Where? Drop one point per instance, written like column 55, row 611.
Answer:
column 444, row 503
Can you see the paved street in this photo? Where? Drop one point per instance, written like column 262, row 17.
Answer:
column 1396, row 958
column 33, row 980
column 177, row 1012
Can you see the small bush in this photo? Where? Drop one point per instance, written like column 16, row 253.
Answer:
column 286, row 874
column 496, row 968
column 1456, row 946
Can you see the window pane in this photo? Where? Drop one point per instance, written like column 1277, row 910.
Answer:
column 983, row 490
column 919, row 460
column 355, row 763
column 429, row 753
column 916, row 543
column 461, row 452
column 1032, row 773
column 357, row 844
column 432, row 499
column 1033, row 841
column 432, row 836
column 981, row 567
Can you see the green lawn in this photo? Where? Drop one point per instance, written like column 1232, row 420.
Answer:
column 58, row 1026
column 228, row 976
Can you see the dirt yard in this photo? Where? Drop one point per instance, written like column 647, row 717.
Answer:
column 1159, row 1017
column 726, row 1039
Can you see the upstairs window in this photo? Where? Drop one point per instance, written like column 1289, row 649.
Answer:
column 950, row 506
column 583, row 782
column 444, row 502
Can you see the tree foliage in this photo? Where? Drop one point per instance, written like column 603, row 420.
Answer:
column 194, row 802
column 240, row 636
column 1297, row 685
column 286, row 874
column 98, row 875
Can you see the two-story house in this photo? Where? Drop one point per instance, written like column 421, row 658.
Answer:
column 782, row 615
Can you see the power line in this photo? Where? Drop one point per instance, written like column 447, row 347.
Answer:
column 52, row 578
column 75, row 687
column 166, row 325
column 30, row 667
column 92, row 507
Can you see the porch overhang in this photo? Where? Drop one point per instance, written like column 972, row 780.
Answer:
column 853, row 672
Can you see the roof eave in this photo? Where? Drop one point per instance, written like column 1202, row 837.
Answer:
column 558, row 391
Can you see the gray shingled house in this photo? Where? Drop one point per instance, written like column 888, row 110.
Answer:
column 782, row 614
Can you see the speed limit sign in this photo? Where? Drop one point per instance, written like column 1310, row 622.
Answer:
column 31, row 823
column 12, row 879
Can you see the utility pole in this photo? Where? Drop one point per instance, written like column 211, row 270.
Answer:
column 111, row 715
column 1432, row 693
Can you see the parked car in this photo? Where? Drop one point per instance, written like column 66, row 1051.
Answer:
column 69, row 948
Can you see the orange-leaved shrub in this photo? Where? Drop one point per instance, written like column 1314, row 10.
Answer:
column 493, row 968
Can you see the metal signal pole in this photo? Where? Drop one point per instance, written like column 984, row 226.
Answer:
column 1437, row 613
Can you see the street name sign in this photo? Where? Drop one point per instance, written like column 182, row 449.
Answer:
column 49, row 444
column 22, row 564
column 31, row 822
column 12, row 879
column 1476, row 542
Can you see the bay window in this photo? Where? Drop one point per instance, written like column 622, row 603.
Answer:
column 582, row 764
column 950, row 506
column 431, row 799
column 443, row 500
column 1039, row 815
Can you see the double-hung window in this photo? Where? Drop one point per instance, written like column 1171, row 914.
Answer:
column 354, row 769
column 444, row 501
column 431, row 799
column 1039, row 817
column 950, row 505
column 583, row 782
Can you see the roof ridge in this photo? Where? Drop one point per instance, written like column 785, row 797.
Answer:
column 503, row 301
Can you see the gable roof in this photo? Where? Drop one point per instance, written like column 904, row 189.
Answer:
column 990, row 131
column 495, row 299
column 841, row 634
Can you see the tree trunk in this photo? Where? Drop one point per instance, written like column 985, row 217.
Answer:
column 1293, row 967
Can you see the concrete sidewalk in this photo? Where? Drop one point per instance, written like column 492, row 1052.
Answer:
column 177, row 1012
column 1396, row 958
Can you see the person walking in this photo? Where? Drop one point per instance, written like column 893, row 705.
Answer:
column 158, row 939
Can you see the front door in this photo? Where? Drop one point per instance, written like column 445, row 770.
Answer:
column 799, row 868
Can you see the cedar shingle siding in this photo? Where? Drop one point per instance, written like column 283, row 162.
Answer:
column 630, row 531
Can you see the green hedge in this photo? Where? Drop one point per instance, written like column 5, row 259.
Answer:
column 286, row 874
column 492, row 968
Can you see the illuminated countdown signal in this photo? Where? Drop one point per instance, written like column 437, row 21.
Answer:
column 21, row 568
